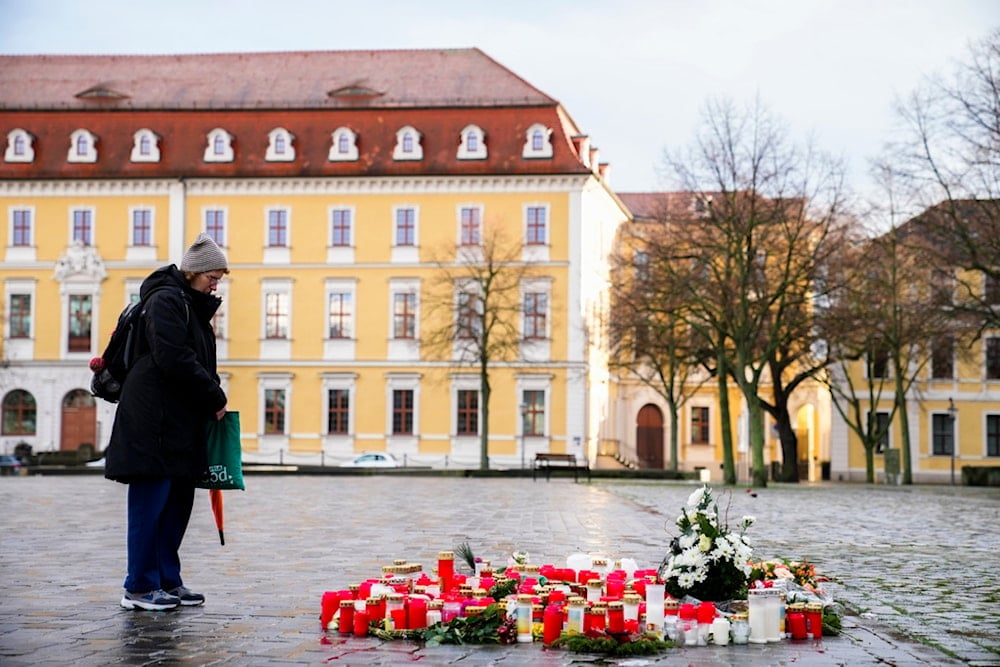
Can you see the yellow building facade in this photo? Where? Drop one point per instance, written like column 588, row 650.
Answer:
column 338, row 217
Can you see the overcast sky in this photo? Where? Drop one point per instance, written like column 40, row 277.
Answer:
column 633, row 74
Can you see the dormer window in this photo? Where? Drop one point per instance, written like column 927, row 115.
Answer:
column 146, row 146
column 279, row 147
column 408, row 145
column 473, row 144
column 20, row 146
column 344, row 145
column 82, row 147
column 220, row 146
column 538, row 143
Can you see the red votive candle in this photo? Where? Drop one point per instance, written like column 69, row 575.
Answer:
column 398, row 617
column 360, row 623
column 632, row 626
column 416, row 613
column 328, row 607
column 616, row 616
column 552, row 624
column 795, row 619
column 446, row 569
column 615, row 588
column 345, row 624
column 814, row 620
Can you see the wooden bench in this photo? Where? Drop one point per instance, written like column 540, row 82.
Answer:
column 547, row 462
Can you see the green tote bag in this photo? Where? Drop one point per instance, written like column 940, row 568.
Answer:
column 225, row 455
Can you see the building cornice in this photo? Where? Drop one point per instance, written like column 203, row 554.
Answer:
column 298, row 186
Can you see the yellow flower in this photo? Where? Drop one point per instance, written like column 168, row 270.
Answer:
column 705, row 543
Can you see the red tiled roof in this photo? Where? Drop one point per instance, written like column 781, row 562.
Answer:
column 183, row 98
column 297, row 80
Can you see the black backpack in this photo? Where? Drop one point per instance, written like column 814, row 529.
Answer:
column 113, row 365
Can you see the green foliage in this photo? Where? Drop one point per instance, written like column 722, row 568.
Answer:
column 479, row 629
column 501, row 590
column 831, row 622
column 464, row 551
column 640, row 645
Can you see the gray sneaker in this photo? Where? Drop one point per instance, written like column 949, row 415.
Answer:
column 157, row 600
column 187, row 597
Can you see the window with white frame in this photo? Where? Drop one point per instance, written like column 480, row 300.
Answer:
column 338, row 411
column 145, row 146
column 470, row 225
column 276, row 318
column 404, row 319
column 340, row 312
column 20, row 146
column 275, row 400
column 467, row 412
column 219, row 146
column 403, row 409
column 80, row 315
column 341, row 227
column 344, row 145
column 22, row 226
column 533, row 412
column 468, row 313
column 701, row 429
column 339, row 326
column 537, row 142
column 277, row 305
column 536, row 225
column 405, row 223
column 280, row 146
column 472, row 144
column 141, row 226
column 82, row 146
column 81, row 222
column 942, row 434
column 408, row 145
column 19, row 319
column 277, row 228
column 19, row 315
column 404, row 314
column 214, row 224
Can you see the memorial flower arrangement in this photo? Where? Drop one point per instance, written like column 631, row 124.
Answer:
column 708, row 560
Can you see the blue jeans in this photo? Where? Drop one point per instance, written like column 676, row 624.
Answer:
column 158, row 514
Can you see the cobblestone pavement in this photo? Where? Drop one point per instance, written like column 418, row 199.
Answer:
column 920, row 562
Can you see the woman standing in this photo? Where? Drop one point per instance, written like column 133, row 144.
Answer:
column 159, row 437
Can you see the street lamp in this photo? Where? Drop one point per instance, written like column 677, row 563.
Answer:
column 952, row 414
column 524, row 415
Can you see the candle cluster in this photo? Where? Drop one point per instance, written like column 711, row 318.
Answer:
column 587, row 597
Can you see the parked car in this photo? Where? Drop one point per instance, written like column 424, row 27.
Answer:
column 372, row 460
column 10, row 465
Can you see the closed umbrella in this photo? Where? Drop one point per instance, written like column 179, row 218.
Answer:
column 215, row 496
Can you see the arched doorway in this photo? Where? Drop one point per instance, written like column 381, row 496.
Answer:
column 649, row 437
column 79, row 421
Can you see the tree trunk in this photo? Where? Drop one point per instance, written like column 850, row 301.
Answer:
column 756, row 414
column 728, row 460
column 674, row 436
column 904, row 426
column 869, row 463
column 484, row 428
column 789, row 446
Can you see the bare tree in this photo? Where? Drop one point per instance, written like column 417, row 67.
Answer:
column 473, row 311
column 770, row 207
column 945, row 163
column 651, row 340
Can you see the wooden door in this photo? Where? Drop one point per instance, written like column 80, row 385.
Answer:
column 649, row 437
column 79, row 421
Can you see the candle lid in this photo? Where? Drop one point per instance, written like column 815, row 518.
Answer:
column 345, row 604
column 446, row 555
column 616, row 604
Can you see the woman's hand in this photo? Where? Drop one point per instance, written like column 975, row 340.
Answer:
column 221, row 413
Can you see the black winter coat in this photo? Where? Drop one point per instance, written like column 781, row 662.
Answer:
column 172, row 389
